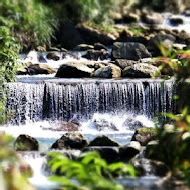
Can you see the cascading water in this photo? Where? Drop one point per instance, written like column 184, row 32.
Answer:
column 64, row 100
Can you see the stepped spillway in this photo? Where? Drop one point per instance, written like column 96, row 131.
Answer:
column 79, row 98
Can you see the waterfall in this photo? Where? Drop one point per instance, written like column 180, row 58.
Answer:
column 65, row 100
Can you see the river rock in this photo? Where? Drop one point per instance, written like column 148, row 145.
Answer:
column 111, row 71
column 150, row 150
column 149, row 167
column 152, row 18
column 103, row 141
column 26, row 143
column 129, row 50
column 104, row 125
column 141, row 70
column 131, row 17
column 166, row 40
column 144, row 135
column 122, row 63
column 83, row 47
column 96, row 54
column 131, row 123
column 129, row 150
column 91, row 35
column 70, row 140
column 53, row 56
column 41, row 48
column 74, row 55
column 175, row 21
column 99, row 46
column 74, row 70
column 110, row 154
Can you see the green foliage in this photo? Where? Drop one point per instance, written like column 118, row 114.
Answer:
column 173, row 146
column 13, row 171
column 89, row 172
column 9, row 49
column 29, row 20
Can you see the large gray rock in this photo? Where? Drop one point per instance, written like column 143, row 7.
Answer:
column 70, row 140
column 130, row 150
column 111, row 71
column 26, row 143
column 74, row 70
column 144, row 135
column 103, row 141
column 129, row 50
column 141, row 70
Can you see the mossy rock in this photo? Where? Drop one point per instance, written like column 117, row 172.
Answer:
column 144, row 135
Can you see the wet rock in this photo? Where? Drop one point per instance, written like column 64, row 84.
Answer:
column 104, row 125
column 26, row 143
column 74, row 70
column 70, row 140
column 129, row 50
column 144, row 135
column 91, row 35
column 97, row 54
column 53, row 56
column 63, row 126
column 122, row 63
column 150, row 150
column 152, row 18
column 131, row 123
column 166, row 40
column 103, row 141
column 83, row 47
column 110, row 154
column 130, row 150
column 53, row 49
column 175, row 21
column 42, row 59
column 111, row 71
column 141, row 70
column 99, row 46
column 149, row 167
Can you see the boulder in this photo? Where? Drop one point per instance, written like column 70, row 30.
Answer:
column 131, row 123
column 129, row 50
column 74, row 55
column 122, row 63
column 70, row 140
column 130, row 150
column 175, row 21
column 74, row 70
column 111, row 71
column 99, row 46
column 110, row 154
column 144, row 135
column 103, row 141
column 149, row 167
column 54, row 49
column 152, row 151
column 166, row 40
column 25, row 143
column 131, row 17
column 41, row 48
column 53, row 56
column 91, row 35
column 141, row 70
column 83, row 47
column 96, row 54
